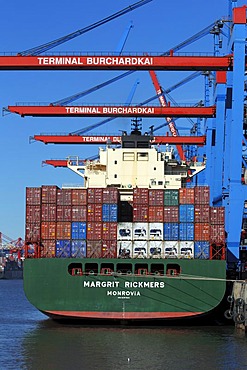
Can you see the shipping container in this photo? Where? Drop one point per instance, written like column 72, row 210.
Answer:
column 94, row 212
column 78, row 197
column 33, row 214
column 140, row 248
column 217, row 251
column 48, row 248
column 79, row 213
column 125, row 231
column 171, row 197
column 63, row 248
column 171, row 231
column 155, row 213
column 64, row 197
column 64, row 213
column 48, row 230
column 202, row 231
column 94, row 230
column 217, row 215
column 202, row 213
column 33, row 196
column 171, row 214
column 171, row 249
column 156, row 197
column 140, row 230
column 217, row 233
column 155, row 249
column 95, row 195
column 109, row 231
column 94, row 249
column 125, row 249
column 109, row 249
column 140, row 196
column 109, row 212
column 155, row 231
column 78, row 230
column 201, row 250
column 186, row 196
column 186, row 249
column 186, row 231
column 110, row 195
column 140, row 213
column 63, row 230
column 186, row 213
column 32, row 232
column 48, row 212
column 78, row 248
column 49, row 194
column 202, row 195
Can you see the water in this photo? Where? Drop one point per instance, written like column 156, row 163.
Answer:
column 29, row 340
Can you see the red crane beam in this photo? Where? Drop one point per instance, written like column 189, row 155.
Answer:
column 56, row 162
column 112, row 111
column 130, row 62
column 92, row 139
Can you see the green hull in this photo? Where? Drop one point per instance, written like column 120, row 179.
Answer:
column 149, row 290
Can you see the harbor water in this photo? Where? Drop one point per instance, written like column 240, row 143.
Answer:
column 29, row 340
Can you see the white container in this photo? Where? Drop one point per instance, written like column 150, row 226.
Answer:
column 124, row 249
column 124, row 230
column 156, row 249
column 140, row 231
column 155, row 231
column 140, row 249
column 186, row 249
column 171, row 249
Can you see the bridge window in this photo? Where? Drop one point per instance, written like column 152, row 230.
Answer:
column 128, row 156
column 142, row 156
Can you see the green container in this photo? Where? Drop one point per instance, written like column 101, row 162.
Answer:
column 171, row 197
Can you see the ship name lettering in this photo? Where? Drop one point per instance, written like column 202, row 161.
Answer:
column 101, row 284
column 59, row 60
column 123, row 293
column 118, row 61
column 82, row 110
column 144, row 284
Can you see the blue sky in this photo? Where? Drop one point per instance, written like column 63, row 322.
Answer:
column 158, row 26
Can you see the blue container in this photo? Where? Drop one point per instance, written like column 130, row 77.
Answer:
column 78, row 248
column 186, row 213
column 78, row 230
column 202, row 250
column 109, row 212
column 171, row 231
column 186, row 231
column 63, row 248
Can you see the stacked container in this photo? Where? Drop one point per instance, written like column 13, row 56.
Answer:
column 217, row 233
column 202, row 222
column 48, row 219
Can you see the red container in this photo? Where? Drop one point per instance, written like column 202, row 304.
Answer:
column 48, row 230
column 94, row 212
column 110, row 195
column 156, row 197
column 33, row 196
column 171, row 214
column 217, row 251
column 109, row 231
column 217, row 233
column 49, row 248
column 217, row 215
column 79, row 197
column 94, row 230
column 49, row 194
column 109, row 249
column 140, row 213
column 32, row 232
column 64, row 197
column 94, row 248
column 33, row 214
column 186, row 196
column 201, row 213
column 79, row 213
column 63, row 230
column 202, row 231
column 140, row 196
column 202, row 195
column 155, row 213
column 94, row 195
column 48, row 212
column 64, row 213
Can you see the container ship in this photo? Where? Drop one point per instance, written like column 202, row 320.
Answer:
column 138, row 242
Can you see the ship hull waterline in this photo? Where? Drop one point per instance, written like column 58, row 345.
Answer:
column 194, row 293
